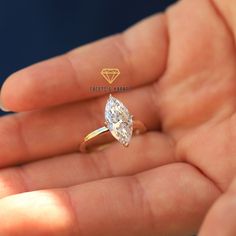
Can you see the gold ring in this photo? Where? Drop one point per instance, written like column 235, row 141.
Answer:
column 119, row 125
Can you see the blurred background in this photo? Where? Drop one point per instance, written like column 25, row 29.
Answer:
column 35, row 30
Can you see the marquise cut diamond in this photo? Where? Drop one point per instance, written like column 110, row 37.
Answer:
column 118, row 120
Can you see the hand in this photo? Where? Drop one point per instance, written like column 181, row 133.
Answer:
column 181, row 68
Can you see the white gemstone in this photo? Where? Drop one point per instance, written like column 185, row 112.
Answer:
column 119, row 121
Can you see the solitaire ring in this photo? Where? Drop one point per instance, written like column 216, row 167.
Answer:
column 120, row 125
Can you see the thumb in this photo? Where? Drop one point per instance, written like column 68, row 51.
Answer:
column 221, row 217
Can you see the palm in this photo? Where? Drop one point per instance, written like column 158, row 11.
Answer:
column 196, row 101
column 192, row 102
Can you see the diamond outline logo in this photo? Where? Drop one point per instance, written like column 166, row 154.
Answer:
column 110, row 74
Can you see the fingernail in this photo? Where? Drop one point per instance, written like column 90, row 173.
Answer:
column 3, row 108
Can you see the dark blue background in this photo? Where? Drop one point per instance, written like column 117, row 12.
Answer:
column 34, row 30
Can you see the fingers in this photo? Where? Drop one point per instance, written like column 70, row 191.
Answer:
column 146, row 152
column 140, row 54
column 59, row 130
column 153, row 203
column 221, row 218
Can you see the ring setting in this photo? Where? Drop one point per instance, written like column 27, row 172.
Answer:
column 119, row 124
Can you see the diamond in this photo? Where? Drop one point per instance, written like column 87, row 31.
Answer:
column 118, row 120
column 110, row 74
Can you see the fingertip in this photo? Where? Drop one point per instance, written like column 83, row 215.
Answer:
column 3, row 102
column 2, row 107
column 16, row 92
column 220, row 220
column 38, row 86
column 7, row 96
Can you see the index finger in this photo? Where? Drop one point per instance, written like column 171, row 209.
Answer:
column 139, row 53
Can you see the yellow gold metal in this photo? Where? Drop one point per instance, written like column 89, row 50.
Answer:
column 96, row 133
column 101, row 137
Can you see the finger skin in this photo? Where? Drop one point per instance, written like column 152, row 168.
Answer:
column 59, row 130
column 73, row 169
column 221, row 218
column 212, row 149
column 199, row 82
column 227, row 11
column 152, row 203
column 140, row 54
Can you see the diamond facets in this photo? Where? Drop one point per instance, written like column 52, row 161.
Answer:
column 118, row 120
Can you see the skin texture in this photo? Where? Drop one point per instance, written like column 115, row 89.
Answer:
column 181, row 68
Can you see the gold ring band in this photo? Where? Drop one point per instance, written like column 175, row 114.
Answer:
column 99, row 138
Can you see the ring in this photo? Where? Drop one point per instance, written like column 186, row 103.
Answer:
column 119, row 125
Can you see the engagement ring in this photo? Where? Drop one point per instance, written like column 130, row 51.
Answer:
column 119, row 124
